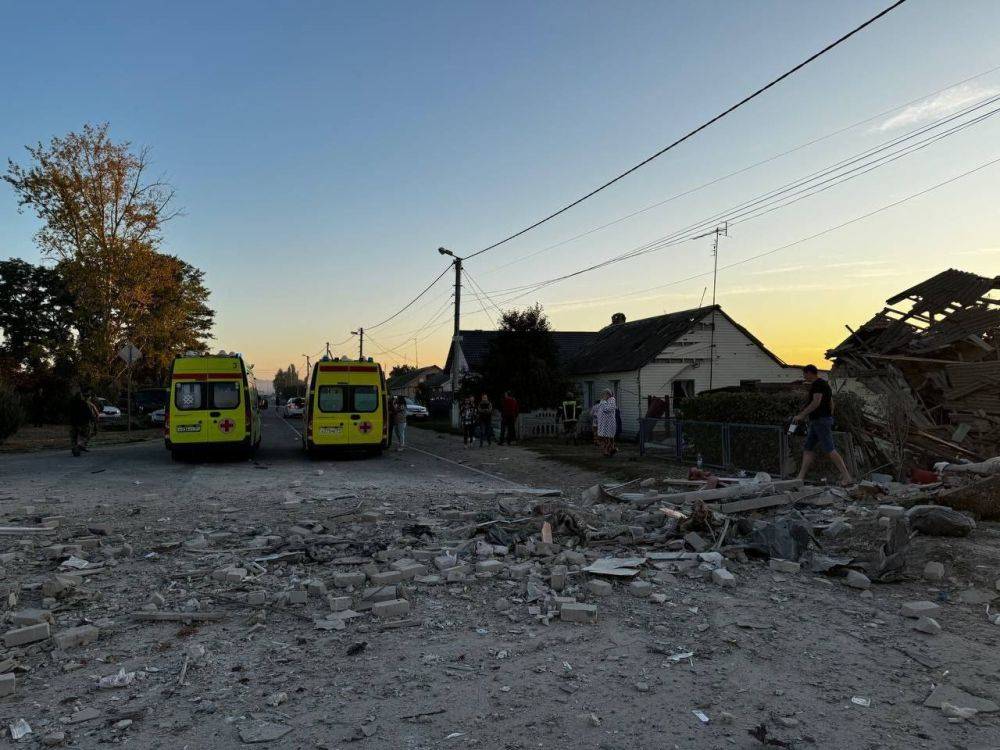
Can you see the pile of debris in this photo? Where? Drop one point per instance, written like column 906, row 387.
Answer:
column 937, row 363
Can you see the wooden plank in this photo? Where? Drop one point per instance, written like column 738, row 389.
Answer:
column 177, row 616
column 755, row 503
column 732, row 492
column 28, row 530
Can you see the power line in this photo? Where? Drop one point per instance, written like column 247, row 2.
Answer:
column 409, row 304
column 482, row 291
column 693, row 132
column 791, row 192
column 742, row 170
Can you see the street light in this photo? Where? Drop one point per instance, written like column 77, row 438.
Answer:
column 446, row 251
column 456, row 339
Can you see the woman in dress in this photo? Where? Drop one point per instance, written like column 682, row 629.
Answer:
column 607, row 422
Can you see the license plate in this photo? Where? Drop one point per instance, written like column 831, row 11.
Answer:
column 189, row 428
column 335, row 430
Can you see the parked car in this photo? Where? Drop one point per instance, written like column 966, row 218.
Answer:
column 158, row 417
column 107, row 411
column 295, row 407
column 415, row 410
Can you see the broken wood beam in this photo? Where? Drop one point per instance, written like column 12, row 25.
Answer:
column 754, row 503
column 178, row 616
column 28, row 530
column 733, row 492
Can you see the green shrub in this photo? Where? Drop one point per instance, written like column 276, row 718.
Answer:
column 11, row 413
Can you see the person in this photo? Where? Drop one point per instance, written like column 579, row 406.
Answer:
column 390, row 416
column 82, row 417
column 818, row 411
column 509, row 409
column 399, row 423
column 607, row 422
column 469, row 419
column 484, row 412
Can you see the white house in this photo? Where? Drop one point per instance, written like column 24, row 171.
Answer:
column 673, row 355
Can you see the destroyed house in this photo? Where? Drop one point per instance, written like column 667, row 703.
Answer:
column 935, row 346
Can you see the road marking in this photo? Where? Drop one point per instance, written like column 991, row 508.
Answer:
column 299, row 434
column 468, row 468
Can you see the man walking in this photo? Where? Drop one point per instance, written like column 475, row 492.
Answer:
column 509, row 409
column 484, row 411
column 819, row 413
column 82, row 415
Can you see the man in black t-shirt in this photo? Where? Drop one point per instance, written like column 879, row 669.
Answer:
column 819, row 412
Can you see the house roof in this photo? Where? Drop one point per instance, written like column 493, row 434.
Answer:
column 628, row 346
column 423, row 374
column 476, row 345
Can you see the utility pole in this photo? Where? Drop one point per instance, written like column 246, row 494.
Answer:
column 360, row 333
column 416, row 359
column 720, row 231
column 328, row 350
column 456, row 339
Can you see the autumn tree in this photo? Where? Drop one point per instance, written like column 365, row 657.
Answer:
column 288, row 383
column 402, row 370
column 102, row 216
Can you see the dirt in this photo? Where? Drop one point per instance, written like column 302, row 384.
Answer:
column 790, row 651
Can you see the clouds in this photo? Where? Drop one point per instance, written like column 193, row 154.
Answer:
column 939, row 105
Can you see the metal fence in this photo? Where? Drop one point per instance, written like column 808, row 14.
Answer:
column 731, row 445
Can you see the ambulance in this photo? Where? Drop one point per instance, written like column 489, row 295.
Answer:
column 346, row 407
column 213, row 404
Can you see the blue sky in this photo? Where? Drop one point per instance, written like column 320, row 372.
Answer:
column 322, row 151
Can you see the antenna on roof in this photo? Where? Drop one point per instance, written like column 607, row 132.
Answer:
column 722, row 230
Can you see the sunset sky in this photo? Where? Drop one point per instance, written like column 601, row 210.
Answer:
column 322, row 151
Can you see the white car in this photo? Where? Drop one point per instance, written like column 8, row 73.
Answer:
column 295, row 407
column 107, row 412
column 415, row 410
column 158, row 417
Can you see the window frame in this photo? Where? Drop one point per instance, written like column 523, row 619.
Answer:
column 345, row 392
column 354, row 400
column 207, row 389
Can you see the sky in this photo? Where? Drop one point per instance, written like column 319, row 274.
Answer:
column 323, row 151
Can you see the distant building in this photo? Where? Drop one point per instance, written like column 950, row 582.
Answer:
column 671, row 356
column 407, row 384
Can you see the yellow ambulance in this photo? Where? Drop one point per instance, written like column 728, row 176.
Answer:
column 213, row 404
column 346, row 406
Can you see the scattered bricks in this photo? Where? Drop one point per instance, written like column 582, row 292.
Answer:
column 557, row 577
column 371, row 596
column 784, row 566
column 572, row 557
column 7, row 684
column 298, row 597
column 489, row 566
column 583, row 613
column 54, row 739
column 696, row 542
column 722, row 577
column 391, row 608
column 387, row 578
column 713, row 558
column 256, row 598
column 60, row 584
column 404, row 562
column 26, row 635
column 81, row 636
column 344, row 580
column 891, row 511
column 640, row 589
column 423, row 555
column 920, row 609
column 235, row 575
column 87, row 542
column 31, row 617
column 315, row 588
column 934, row 571
column 412, row 570
column 927, row 625
column 597, row 587
column 339, row 603
column 443, row 562
column 455, row 575
column 857, row 580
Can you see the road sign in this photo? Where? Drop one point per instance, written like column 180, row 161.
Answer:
column 130, row 354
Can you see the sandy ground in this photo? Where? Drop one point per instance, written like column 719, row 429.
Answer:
column 469, row 665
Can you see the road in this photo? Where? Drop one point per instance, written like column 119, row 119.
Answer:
column 477, row 661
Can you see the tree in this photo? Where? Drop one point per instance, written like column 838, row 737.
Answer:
column 402, row 370
column 102, row 218
column 287, row 384
column 36, row 314
column 10, row 411
column 524, row 359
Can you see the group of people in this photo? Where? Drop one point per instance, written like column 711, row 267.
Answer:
column 477, row 420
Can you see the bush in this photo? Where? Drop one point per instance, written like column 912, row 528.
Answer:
column 11, row 413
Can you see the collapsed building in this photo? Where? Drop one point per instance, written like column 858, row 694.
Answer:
column 934, row 353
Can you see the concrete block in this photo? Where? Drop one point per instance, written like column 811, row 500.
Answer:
column 60, row 583
column 597, row 587
column 562, row 601
column 256, row 598
column 583, row 613
column 927, row 625
column 784, row 566
column 387, row 578
column 722, row 577
column 157, row 599
column 891, row 511
column 73, row 637
column 696, row 542
column 572, row 557
column 712, row 558
column 343, row 580
column 412, row 570
column 490, row 566
column 557, row 577
column 7, row 684
column 339, row 603
column 235, row 575
column 371, row 596
column 919, row 609
column 857, row 580
column 640, row 589
column 315, row 588
column 934, row 571
column 31, row 617
column 520, row 571
column 298, row 597
column 837, row 528
column 391, row 608
column 26, row 635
